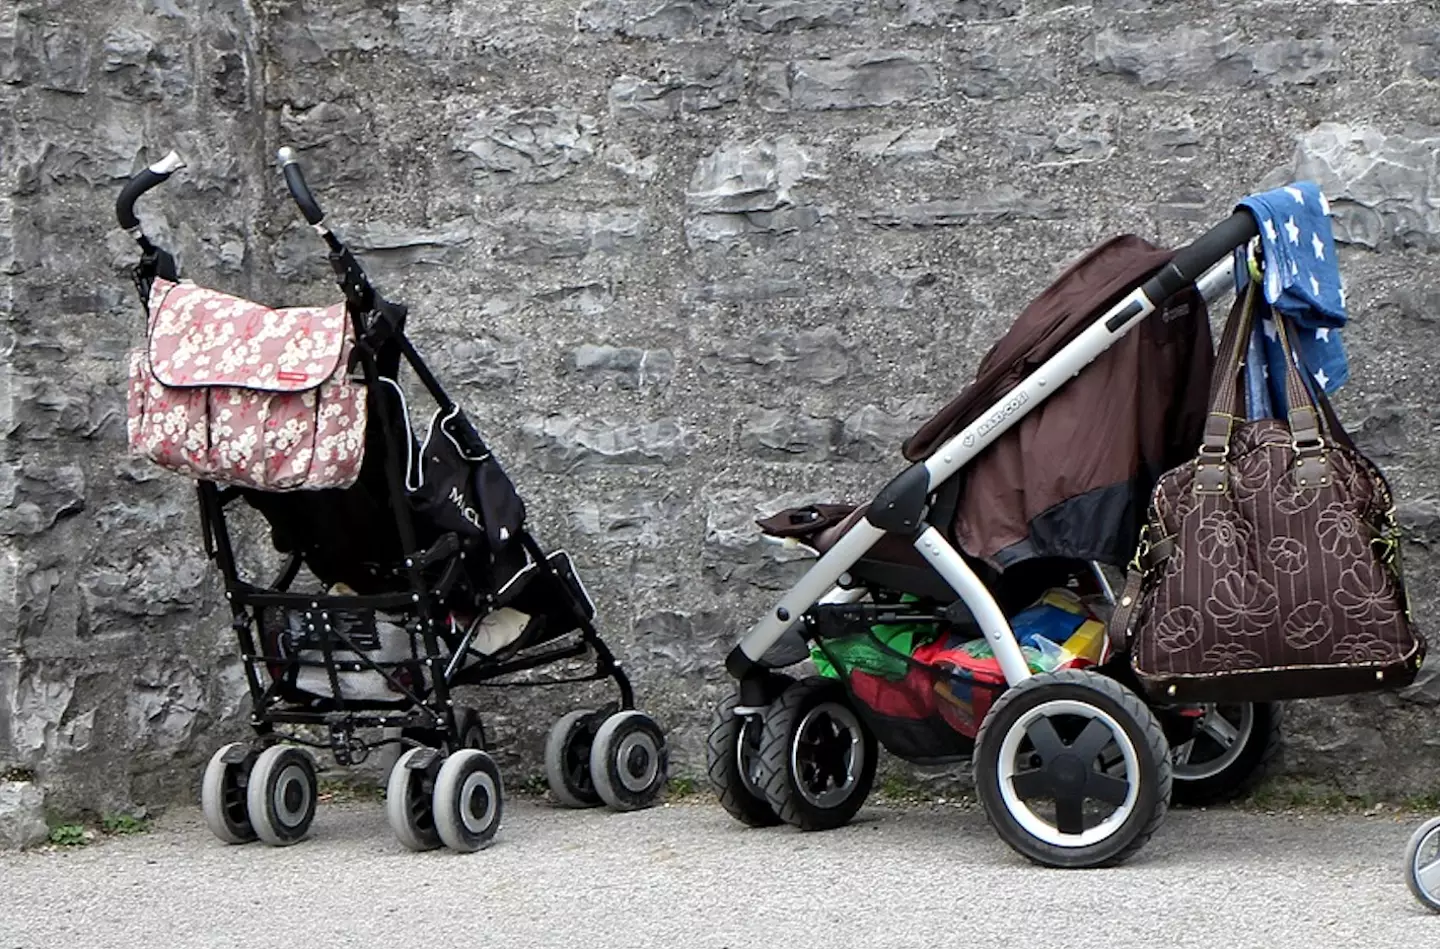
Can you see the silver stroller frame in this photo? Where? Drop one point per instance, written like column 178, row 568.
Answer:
column 757, row 737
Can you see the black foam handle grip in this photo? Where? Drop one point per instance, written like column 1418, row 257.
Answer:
column 1200, row 255
column 299, row 190
column 140, row 183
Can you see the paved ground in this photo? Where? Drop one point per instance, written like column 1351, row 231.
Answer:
column 686, row 875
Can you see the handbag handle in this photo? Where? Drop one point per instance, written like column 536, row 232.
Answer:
column 1307, row 429
column 1211, row 473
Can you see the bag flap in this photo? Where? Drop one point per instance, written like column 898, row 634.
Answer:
column 201, row 337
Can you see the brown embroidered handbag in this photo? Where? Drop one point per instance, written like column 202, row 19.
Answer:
column 1269, row 566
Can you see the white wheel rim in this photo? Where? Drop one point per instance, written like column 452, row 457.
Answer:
column 638, row 779
column 291, row 778
column 811, row 728
column 1425, row 866
column 1217, row 727
column 1040, row 827
column 481, row 782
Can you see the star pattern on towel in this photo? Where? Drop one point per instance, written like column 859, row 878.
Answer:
column 1292, row 230
column 1270, row 230
column 1319, row 246
column 1314, row 285
column 1269, row 327
column 1323, row 334
column 1295, row 193
column 1321, row 378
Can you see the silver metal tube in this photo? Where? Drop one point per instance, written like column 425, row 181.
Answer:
column 956, row 572
column 818, row 581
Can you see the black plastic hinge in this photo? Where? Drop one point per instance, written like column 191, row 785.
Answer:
column 900, row 506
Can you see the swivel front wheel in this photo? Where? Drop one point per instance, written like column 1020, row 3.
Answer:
column 281, row 795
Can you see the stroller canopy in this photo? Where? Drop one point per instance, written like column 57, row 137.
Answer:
column 1073, row 477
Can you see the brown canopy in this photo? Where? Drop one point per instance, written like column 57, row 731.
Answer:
column 1073, row 477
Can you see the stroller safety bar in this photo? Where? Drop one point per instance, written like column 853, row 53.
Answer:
column 901, row 506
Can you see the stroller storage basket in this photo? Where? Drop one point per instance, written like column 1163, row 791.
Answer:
column 919, row 711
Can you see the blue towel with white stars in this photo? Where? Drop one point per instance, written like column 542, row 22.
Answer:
column 1301, row 282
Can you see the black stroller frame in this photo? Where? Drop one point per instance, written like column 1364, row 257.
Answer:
column 588, row 752
column 759, row 740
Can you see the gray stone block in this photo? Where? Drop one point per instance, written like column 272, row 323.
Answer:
column 818, row 356
column 750, row 188
column 1381, row 187
column 703, row 80
column 22, row 815
column 560, row 443
column 1198, row 56
column 528, row 145
column 649, row 19
column 779, row 434
column 1003, row 204
column 861, row 80
column 636, row 367
column 778, row 16
column 909, row 144
column 949, row 12
column 540, row 236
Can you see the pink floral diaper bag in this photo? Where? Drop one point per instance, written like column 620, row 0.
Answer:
column 230, row 391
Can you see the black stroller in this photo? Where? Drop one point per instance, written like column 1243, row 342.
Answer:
column 421, row 573
column 1072, row 766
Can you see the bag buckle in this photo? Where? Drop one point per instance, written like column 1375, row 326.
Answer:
column 1210, row 469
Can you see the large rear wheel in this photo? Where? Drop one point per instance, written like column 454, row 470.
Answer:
column 1073, row 769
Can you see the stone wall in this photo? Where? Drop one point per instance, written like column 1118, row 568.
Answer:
column 685, row 260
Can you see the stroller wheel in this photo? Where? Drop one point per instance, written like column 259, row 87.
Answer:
column 629, row 762
column 817, row 758
column 732, row 762
column 409, row 799
column 1087, row 748
column 1422, row 864
column 1229, row 755
column 281, row 795
column 222, row 794
column 567, row 760
column 469, row 800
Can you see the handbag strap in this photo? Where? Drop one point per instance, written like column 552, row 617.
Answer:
column 1307, row 434
column 1210, row 470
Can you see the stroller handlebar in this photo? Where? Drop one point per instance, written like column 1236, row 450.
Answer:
column 1201, row 254
column 142, row 182
column 299, row 190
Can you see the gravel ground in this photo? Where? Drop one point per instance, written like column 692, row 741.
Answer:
column 686, row 875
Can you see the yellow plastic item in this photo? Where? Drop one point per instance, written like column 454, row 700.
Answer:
column 1087, row 642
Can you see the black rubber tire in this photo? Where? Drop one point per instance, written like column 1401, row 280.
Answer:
column 723, row 768
column 1143, row 732
column 468, row 812
column 282, row 795
column 1242, row 775
column 635, row 779
column 410, row 802
column 223, row 797
column 567, row 759
column 1427, row 896
column 783, row 718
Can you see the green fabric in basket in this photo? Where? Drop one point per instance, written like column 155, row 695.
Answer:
column 859, row 653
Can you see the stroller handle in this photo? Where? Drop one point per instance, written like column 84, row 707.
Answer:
column 142, row 182
column 1207, row 250
column 299, row 190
